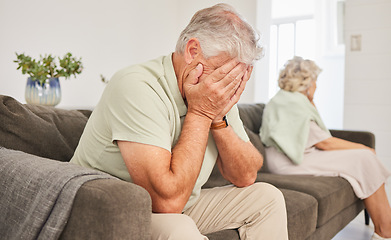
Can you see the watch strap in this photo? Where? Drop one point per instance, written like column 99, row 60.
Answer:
column 220, row 125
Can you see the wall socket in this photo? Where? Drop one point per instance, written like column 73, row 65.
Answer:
column 355, row 43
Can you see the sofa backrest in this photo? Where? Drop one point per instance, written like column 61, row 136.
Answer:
column 54, row 133
column 251, row 115
column 40, row 130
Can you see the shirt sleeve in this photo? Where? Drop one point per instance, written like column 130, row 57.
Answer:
column 316, row 135
column 236, row 123
column 135, row 112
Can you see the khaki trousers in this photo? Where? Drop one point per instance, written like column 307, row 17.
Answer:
column 257, row 211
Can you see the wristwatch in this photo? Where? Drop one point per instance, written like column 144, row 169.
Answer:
column 222, row 124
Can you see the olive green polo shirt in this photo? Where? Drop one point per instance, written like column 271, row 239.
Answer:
column 143, row 104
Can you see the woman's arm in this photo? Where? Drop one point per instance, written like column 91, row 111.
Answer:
column 334, row 143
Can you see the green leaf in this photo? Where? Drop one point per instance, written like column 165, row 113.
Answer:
column 46, row 67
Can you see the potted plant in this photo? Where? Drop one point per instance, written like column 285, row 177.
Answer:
column 43, row 85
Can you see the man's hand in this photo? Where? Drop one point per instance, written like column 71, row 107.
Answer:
column 218, row 92
column 235, row 98
column 214, row 96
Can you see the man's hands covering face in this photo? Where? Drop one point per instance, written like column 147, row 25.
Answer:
column 215, row 95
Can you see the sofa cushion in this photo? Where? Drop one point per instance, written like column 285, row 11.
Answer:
column 40, row 130
column 332, row 193
column 231, row 234
column 302, row 214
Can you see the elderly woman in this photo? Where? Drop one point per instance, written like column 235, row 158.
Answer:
column 298, row 142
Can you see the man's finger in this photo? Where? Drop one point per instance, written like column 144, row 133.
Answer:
column 234, row 85
column 247, row 76
column 194, row 74
column 222, row 71
column 233, row 78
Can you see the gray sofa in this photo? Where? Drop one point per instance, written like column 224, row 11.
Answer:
column 317, row 207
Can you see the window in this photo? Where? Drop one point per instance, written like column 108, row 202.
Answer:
column 307, row 28
column 292, row 33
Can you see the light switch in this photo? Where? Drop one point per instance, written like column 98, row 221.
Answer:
column 355, row 43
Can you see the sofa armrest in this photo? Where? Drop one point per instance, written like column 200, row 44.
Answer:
column 109, row 209
column 363, row 137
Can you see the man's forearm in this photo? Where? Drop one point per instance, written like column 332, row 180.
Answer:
column 239, row 161
column 188, row 154
column 169, row 177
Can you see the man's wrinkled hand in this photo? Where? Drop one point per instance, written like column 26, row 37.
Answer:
column 238, row 92
column 216, row 93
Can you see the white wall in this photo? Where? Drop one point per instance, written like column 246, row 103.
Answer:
column 108, row 35
column 368, row 72
column 261, row 69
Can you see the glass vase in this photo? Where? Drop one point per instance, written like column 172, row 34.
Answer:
column 48, row 93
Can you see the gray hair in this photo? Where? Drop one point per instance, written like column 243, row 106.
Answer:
column 297, row 74
column 220, row 29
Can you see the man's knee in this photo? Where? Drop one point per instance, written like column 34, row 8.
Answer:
column 186, row 229
column 274, row 195
column 174, row 227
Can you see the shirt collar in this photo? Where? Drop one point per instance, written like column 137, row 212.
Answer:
column 172, row 82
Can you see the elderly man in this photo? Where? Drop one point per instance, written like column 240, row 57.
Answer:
column 164, row 125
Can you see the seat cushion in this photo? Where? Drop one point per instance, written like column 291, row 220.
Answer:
column 231, row 234
column 333, row 194
column 302, row 214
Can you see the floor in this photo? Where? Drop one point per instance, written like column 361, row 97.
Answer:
column 356, row 230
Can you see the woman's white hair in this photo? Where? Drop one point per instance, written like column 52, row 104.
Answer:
column 220, row 29
column 297, row 74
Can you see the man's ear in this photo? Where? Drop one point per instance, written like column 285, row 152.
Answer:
column 192, row 50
